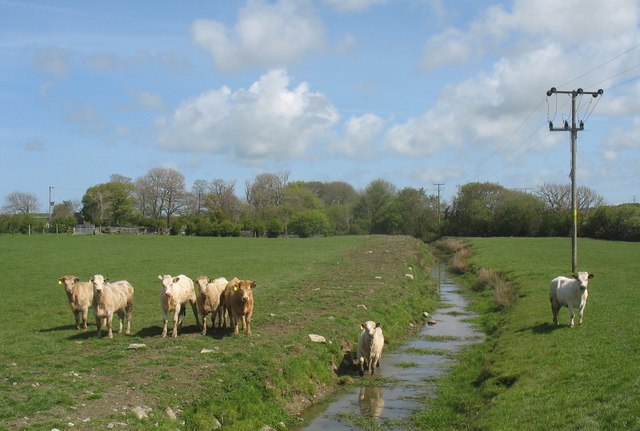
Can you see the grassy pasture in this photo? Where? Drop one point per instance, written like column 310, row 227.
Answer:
column 52, row 375
column 532, row 375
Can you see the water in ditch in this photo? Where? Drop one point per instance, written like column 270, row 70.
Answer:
column 407, row 372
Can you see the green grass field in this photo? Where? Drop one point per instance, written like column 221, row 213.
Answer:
column 532, row 375
column 52, row 375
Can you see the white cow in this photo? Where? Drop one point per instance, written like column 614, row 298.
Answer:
column 370, row 344
column 569, row 292
column 174, row 295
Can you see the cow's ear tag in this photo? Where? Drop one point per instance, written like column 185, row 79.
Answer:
column 59, row 282
column 235, row 288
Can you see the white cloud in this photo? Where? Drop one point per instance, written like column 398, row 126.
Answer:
column 265, row 35
column 267, row 121
column 353, row 5
column 360, row 134
column 426, row 135
column 444, row 49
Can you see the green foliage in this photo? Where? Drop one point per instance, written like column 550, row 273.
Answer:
column 620, row 222
column 21, row 223
column 63, row 223
column 275, row 228
column 108, row 204
column 472, row 210
column 309, row 223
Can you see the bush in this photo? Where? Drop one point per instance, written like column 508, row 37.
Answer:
column 275, row 228
column 309, row 223
column 228, row 228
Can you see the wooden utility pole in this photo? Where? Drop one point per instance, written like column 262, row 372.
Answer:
column 438, row 185
column 573, row 128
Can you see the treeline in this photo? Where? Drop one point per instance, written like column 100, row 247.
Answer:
column 273, row 206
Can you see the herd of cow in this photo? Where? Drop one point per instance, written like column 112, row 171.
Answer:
column 230, row 301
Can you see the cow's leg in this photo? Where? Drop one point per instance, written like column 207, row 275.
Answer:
column 177, row 321
column 129, row 314
column 78, row 315
column 164, row 323
column 120, row 319
column 98, row 325
column 235, row 322
column 571, row 314
column 582, row 306
column 109, row 324
column 204, row 324
column 194, row 307
column 85, row 318
column 555, row 308
column 247, row 324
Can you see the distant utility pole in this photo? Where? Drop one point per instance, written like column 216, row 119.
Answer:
column 50, row 204
column 574, row 138
column 438, row 185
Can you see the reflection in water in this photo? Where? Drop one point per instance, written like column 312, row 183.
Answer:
column 371, row 401
column 410, row 387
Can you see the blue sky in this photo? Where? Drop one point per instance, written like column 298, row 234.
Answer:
column 415, row 92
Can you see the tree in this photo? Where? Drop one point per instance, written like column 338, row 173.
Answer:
column 199, row 191
column 518, row 214
column 621, row 223
column 472, row 210
column 117, row 178
column 66, row 209
column 108, row 204
column 372, row 204
column 333, row 193
column 161, row 192
column 557, row 198
column 221, row 200
column 415, row 213
column 266, row 189
column 21, row 203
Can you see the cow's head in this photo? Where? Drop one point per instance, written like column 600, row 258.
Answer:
column 202, row 282
column 244, row 289
column 166, row 281
column 98, row 282
column 583, row 278
column 369, row 326
column 68, row 281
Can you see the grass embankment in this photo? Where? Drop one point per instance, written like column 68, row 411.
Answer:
column 52, row 375
column 532, row 375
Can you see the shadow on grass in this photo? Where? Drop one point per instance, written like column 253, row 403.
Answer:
column 156, row 331
column 542, row 328
column 60, row 328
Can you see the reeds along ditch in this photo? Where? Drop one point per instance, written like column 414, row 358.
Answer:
column 504, row 293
